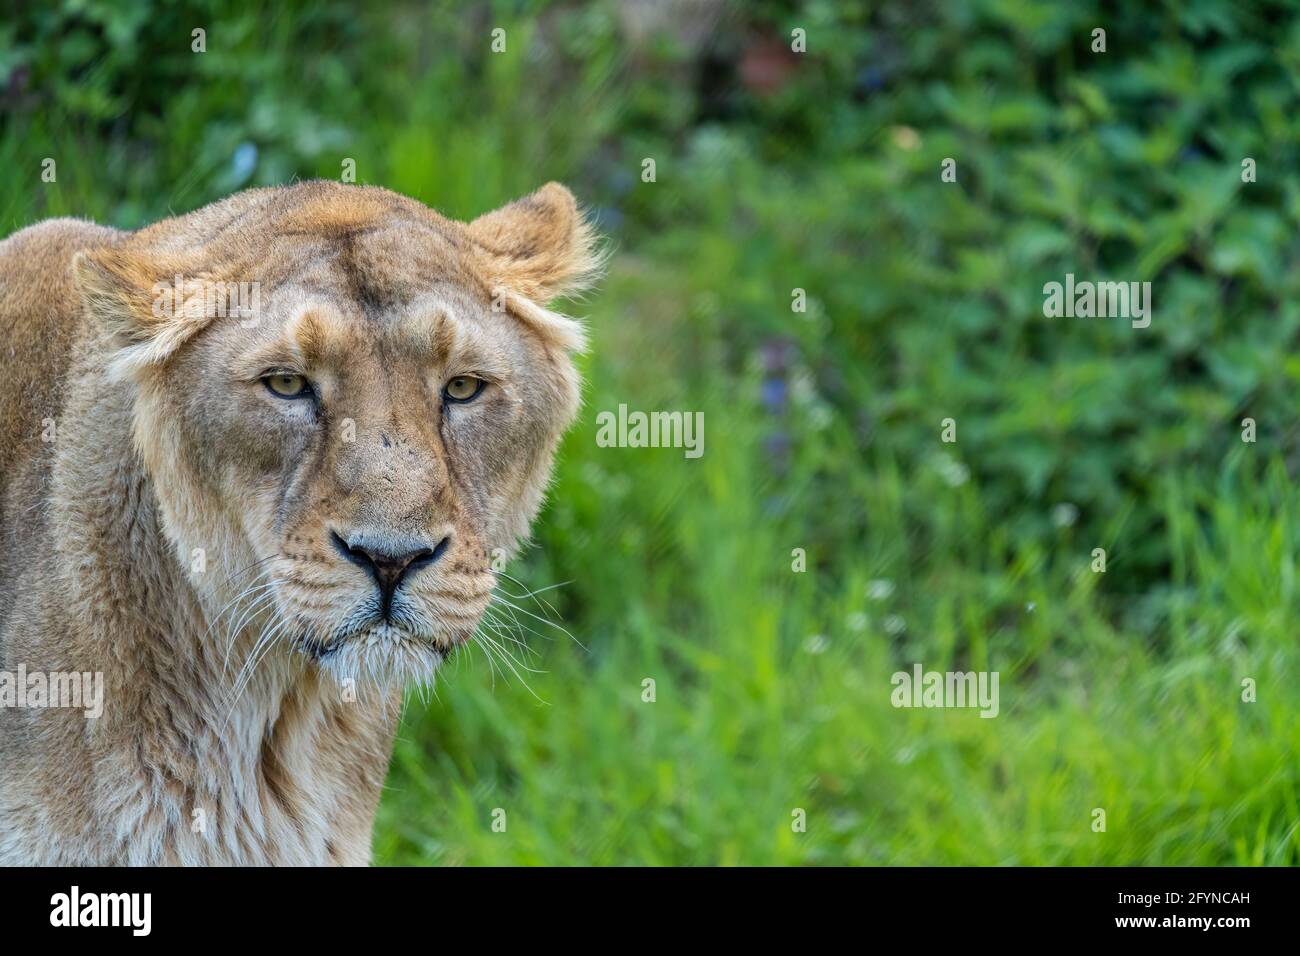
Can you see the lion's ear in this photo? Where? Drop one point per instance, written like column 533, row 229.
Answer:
column 145, row 316
column 115, row 289
column 540, row 247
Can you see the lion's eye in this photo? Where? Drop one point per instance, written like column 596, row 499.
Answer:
column 463, row 388
column 287, row 385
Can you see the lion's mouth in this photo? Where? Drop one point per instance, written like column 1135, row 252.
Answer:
column 405, row 642
column 370, row 648
column 375, row 636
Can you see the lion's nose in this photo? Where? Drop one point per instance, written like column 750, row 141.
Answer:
column 387, row 564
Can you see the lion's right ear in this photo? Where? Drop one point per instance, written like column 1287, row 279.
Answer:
column 541, row 247
column 537, row 249
column 148, row 317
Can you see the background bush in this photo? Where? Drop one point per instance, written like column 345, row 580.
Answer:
column 778, row 171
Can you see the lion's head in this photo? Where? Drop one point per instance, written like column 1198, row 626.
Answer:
column 347, row 404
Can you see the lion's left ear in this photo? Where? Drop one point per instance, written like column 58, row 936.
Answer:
column 540, row 247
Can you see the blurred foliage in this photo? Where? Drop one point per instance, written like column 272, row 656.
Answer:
column 819, row 171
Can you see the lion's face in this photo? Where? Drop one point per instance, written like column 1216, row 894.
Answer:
column 375, row 460
column 357, row 451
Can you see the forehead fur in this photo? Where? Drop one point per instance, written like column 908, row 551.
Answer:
column 369, row 247
column 431, row 327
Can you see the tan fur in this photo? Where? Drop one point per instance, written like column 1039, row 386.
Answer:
column 176, row 534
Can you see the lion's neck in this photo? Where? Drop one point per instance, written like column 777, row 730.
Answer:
column 205, row 752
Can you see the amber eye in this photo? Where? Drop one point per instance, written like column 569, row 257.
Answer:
column 462, row 388
column 287, row 385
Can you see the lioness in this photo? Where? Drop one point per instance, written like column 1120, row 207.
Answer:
column 253, row 463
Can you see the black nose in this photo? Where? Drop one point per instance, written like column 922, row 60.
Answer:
column 387, row 566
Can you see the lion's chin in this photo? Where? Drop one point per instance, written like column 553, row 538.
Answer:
column 384, row 654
